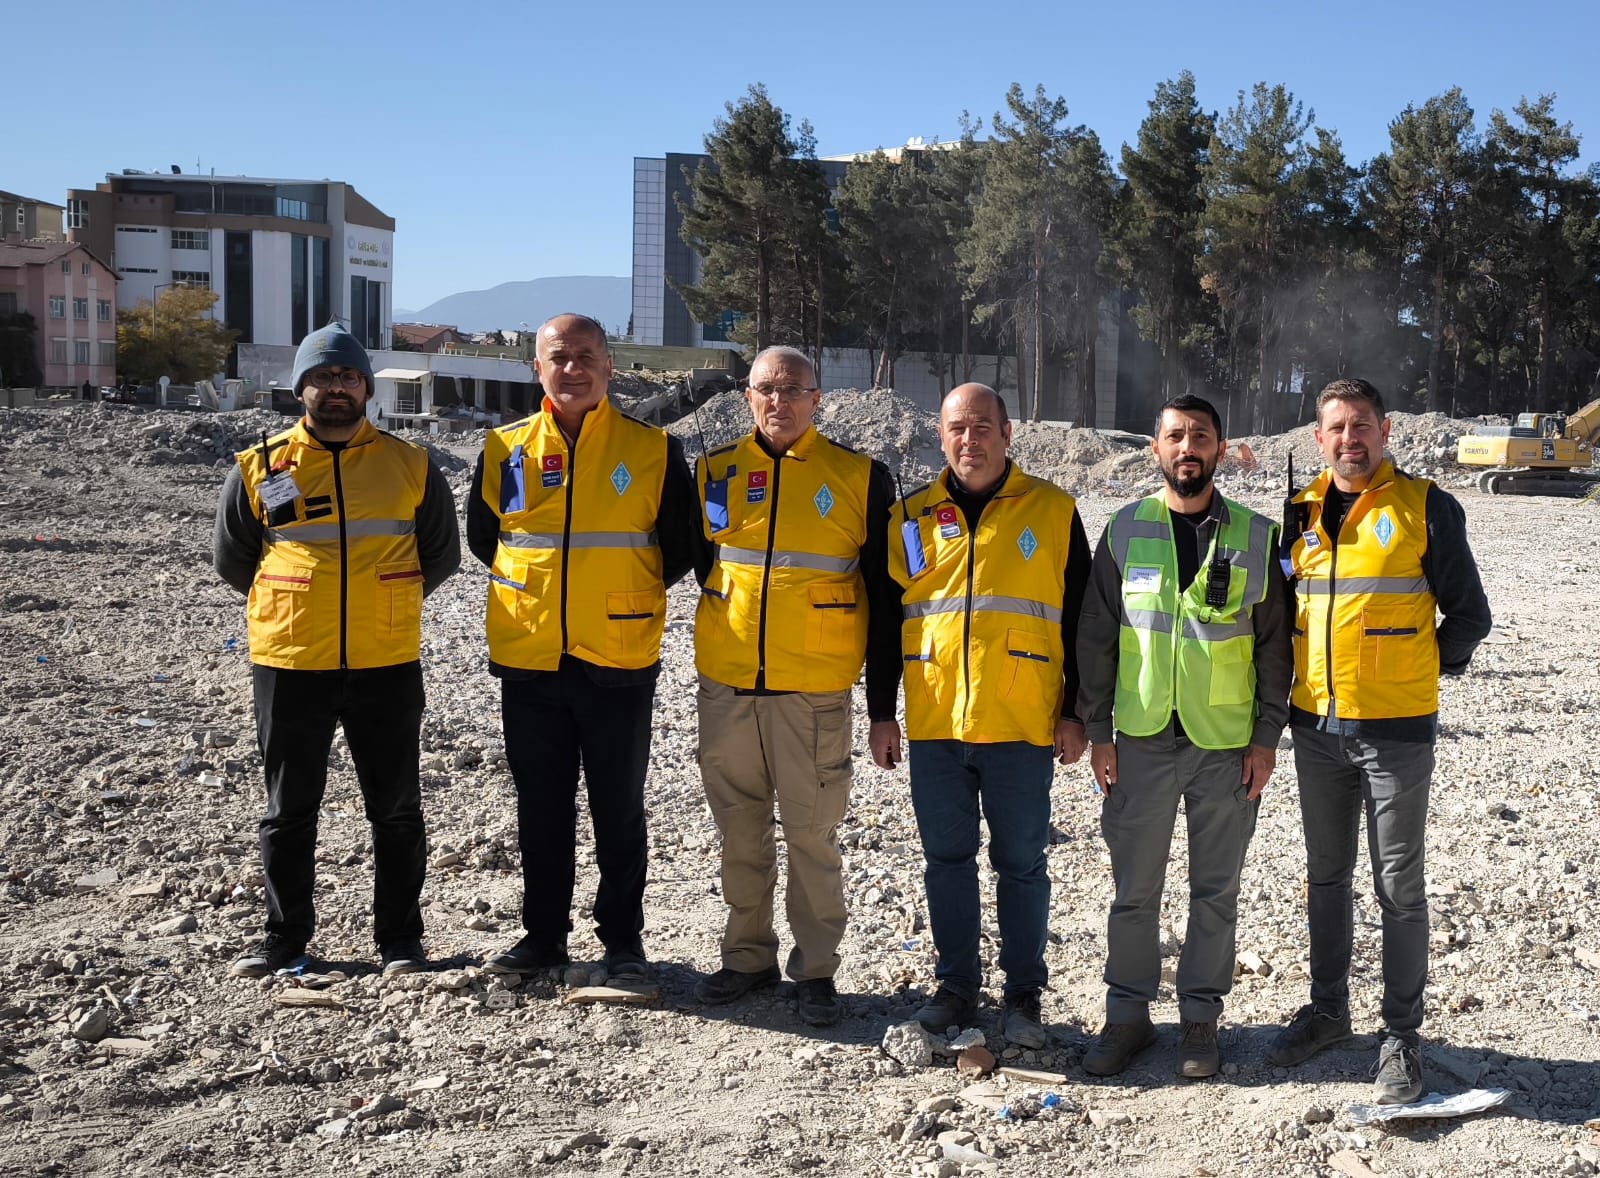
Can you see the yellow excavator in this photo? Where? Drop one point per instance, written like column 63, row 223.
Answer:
column 1541, row 454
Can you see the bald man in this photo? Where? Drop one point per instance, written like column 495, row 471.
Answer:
column 992, row 563
column 583, row 517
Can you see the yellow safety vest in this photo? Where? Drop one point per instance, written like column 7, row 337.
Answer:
column 785, row 599
column 578, row 569
column 981, row 635
column 1364, row 646
column 339, row 585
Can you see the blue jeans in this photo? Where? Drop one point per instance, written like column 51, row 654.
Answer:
column 949, row 780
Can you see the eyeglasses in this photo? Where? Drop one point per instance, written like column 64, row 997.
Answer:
column 326, row 378
column 784, row 392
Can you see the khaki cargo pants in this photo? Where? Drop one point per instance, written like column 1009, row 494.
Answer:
column 795, row 750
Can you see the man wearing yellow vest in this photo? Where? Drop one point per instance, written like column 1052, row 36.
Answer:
column 337, row 531
column 796, row 594
column 1184, row 659
column 583, row 516
column 1376, row 555
column 992, row 562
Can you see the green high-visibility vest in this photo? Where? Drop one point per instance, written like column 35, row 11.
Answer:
column 1178, row 654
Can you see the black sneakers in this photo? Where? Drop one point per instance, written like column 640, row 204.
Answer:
column 728, row 985
column 627, row 965
column 817, row 1002
column 528, row 956
column 1021, row 1022
column 272, row 953
column 1198, row 1054
column 1399, row 1072
column 944, row 1010
column 1307, row 1033
column 403, row 957
column 1116, row 1046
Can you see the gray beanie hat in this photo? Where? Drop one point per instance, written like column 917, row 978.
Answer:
column 329, row 346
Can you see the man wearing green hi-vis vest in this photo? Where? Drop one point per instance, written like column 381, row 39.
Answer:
column 1185, row 666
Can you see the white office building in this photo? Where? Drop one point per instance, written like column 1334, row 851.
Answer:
column 283, row 256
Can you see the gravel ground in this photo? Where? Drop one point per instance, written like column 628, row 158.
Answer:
column 130, row 787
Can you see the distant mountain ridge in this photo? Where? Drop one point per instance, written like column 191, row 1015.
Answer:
column 507, row 306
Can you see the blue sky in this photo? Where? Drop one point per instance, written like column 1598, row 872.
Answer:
column 501, row 136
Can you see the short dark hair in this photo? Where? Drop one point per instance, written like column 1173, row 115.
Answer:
column 1189, row 403
column 1350, row 388
column 594, row 326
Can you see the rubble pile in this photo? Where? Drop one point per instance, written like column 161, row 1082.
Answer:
column 130, row 792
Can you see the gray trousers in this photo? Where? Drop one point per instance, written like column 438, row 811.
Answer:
column 1339, row 776
column 1137, row 819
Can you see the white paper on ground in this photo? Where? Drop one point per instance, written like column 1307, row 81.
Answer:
column 1462, row 1104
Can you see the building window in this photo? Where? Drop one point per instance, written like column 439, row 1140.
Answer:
column 86, row 269
column 80, row 309
column 108, row 353
column 22, row 217
column 80, row 351
column 58, row 351
column 77, row 214
column 134, row 229
column 8, row 302
column 103, row 310
column 66, row 265
column 58, row 306
column 199, row 279
column 294, row 210
column 191, row 239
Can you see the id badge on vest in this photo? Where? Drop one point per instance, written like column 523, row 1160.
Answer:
column 279, row 493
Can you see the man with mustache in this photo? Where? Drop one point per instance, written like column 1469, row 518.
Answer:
column 1378, row 553
column 1184, row 657
column 583, row 516
column 337, row 531
column 795, row 598
column 992, row 563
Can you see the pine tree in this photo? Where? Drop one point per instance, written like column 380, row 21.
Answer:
column 1158, row 223
column 754, row 217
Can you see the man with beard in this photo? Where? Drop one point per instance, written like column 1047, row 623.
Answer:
column 1183, row 652
column 337, row 531
column 1377, row 554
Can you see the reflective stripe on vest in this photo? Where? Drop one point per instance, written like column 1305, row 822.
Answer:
column 316, row 533
column 981, row 602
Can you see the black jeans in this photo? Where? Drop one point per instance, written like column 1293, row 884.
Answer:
column 381, row 710
column 553, row 724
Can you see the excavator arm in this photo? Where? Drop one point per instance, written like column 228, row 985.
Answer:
column 1584, row 425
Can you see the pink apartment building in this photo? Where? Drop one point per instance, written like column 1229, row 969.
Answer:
column 72, row 296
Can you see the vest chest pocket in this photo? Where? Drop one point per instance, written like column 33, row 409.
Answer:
column 632, row 622
column 1233, row 678
column 280, row 600
column 1029, row 673
column 1391, row 643
column 831, row 619
column 399, row 599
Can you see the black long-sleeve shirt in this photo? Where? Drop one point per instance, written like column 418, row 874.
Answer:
column 1100, row 641
column 677, row 533
column 881, row 688
column 238, row 534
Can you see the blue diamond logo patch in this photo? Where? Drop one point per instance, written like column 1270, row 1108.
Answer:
column 1383, row 528
column 823, row 500
column 620, row 478
column 1027, row 543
